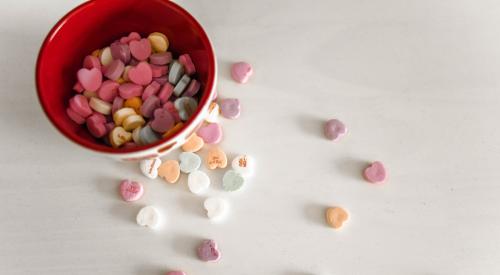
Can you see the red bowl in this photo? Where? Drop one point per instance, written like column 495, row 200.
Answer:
column 96, row 24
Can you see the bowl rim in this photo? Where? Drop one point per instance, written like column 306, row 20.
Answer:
column 205, row 100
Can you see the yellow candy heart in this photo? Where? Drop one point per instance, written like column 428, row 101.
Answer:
column 169, row 171
column 134, row 103
column 120, row 115
column 118, row 136
column 132, row 122
column 193, row 144
column 216, row 158
column 159, row 42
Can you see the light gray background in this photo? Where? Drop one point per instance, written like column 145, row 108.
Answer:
column 416, row 82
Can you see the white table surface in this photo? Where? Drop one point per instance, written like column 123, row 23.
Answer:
column 416, row 82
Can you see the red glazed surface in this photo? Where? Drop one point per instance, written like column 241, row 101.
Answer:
column 98, row 23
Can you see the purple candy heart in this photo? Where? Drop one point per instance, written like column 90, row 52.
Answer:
column 334, row 129
column 230, row 108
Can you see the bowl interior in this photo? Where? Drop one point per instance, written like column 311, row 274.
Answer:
column 98, row 23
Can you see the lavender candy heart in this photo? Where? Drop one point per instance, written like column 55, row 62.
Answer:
column 334, row 129
column 120, row 51
column 208, row 251
column 230, row 108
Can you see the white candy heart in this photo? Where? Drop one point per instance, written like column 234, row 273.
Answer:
column 213, row 113
column 189, row 162
column 244, row 164
column 216, row 208
column 149, row 167
column 198, row 182
column 149, row 217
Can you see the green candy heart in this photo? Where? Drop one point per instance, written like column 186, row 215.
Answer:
column 232, row 181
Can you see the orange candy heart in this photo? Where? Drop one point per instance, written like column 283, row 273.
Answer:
column 336, row 216
column 169, row 171
column 193, row 144
column 216, row 158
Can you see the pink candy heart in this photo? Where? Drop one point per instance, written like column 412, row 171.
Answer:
column 334, row 129
column 90, row 79
column 141, row 74
column 129, row 90
column 141, row 49
column 208, row 251
column 108, row 90
column 80, row 105
column 120, row 51
column 241, row 72
column 230, row 108
column 133, row 36
column 375, row 173
column 96, row 124
column 91, row 62
column 162, row 120
column 210, row 133
column 115, row 69
column 131, row 190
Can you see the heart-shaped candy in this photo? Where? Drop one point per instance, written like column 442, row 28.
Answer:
column 213, row 112
column 149, row 167
column 169, row 170
column 141, row 74
column 149, row 216
column 159, row 42
column 230, row 108
column 96, row 124
column 216, row 158
column 210, row 133
column 232, row 181
column 375, row 173
column 91, row 62
column 91, row 79
column 80, row 105
column 129, row 90
column 162, row 120
column 115, row 69
column 160, row 58
column 108, row 90
column 133, row 36
column 334, row 129
column 336, row 216
column 244, row 164
column 189, row 162
column 131, row 190
column 120, row 51
column 118, row 136
column 150, row 105
column 186, row 106
column 241, row 72
column 141, row 49
column 198, row 182
column 216, row 208
column 193, row 144
column 208, row 251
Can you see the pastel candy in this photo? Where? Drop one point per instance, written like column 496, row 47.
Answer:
column 158, row 71
column 100, row 106
column 177, row 272
column 159, row 41
column 186, row 106
column 181, row 85
column 193, row 144
column 117, row 104
column 241, row 72
column 175, row 72
column 141, row 74
column 162, row 80
column 106, row 57
column 136, row 135
column 131, row 190
column 216, row 208
column 125, row 73
column 198, row 182
column 162, row 120
column 74, row 116
column 208, row 251
column 120, row 115
column 166, row 92
column 120, row 51
column 336, row 216
column 232, row 181
column 189, row 162
column 230, row 108
column 149, row 167
column 96, row 126
column 147, row 135
column 216, row 158
column 186, row 61
column 334, row 129
column 132, row 122
column 151, row 89
column 91, row 79
column 115, row 69
column 129, row 90
column 118, row 136
column 150, row 105
column 80, row 105
column 134, row 103
column 244, row 164
column 90, row 62
column 210, row 133
column 171, row 108
column 213, row 113
column 131, row 37
column 149, row 216
column 160, row 58
column 193, row 88
column 375, row 173
column 108, row 90
column 170, row 171
column 141, row 49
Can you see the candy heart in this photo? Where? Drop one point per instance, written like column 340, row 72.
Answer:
column 151, row 89
column 134, row 103
column 160, row 58
column 244, row 164
column 148, row 216
column 169, row 171
column 189, row 162
column 75, row 116
column 216, row 208
column 115, row 69
column 216, row 158
column 232, row 181
column 129, row 90
column 141, row 74
column 210, row 133
column 141, row 49
column 158, row 41
column 149, row 167
column 91, row 62
column 175, row 72
column 181, row 85
column 105, row 56
column 117, row 104
column 213, row 113
column 147, row 135
column 193, row 88
column 131, row 190
column 230, row 108
column 120, row 51
column 241, row 72
column 150, row 105
column 118, row 136
column 165, row 93
column 188, row 64
column 208, row 251
column 334, row 129
column 177, row 272
column 193, row 144
column 96, row 125
column 133, row 36
column 108, row 90
column 80, row 105
column 375, row 173
column 186, row 106
column 91, row 79
column 171, row 108
column 162, row 120
column 198, row 182
column 336, row 216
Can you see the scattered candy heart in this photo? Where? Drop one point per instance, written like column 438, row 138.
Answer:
column 210, row 133
column 230, row 108
column 193, row 144
column 149, row 167
column 148, row 216
column 216, row 208
column 336, row 216
column 189, row 162
column 198, row 182
column 208, row 251
column 216, row 158
column 232, row 181
column 169, row 170
column 244, row 164
column 334, row 129
column 213, row 113
column 131, row 190
column 375, row 173
column 241, row 72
